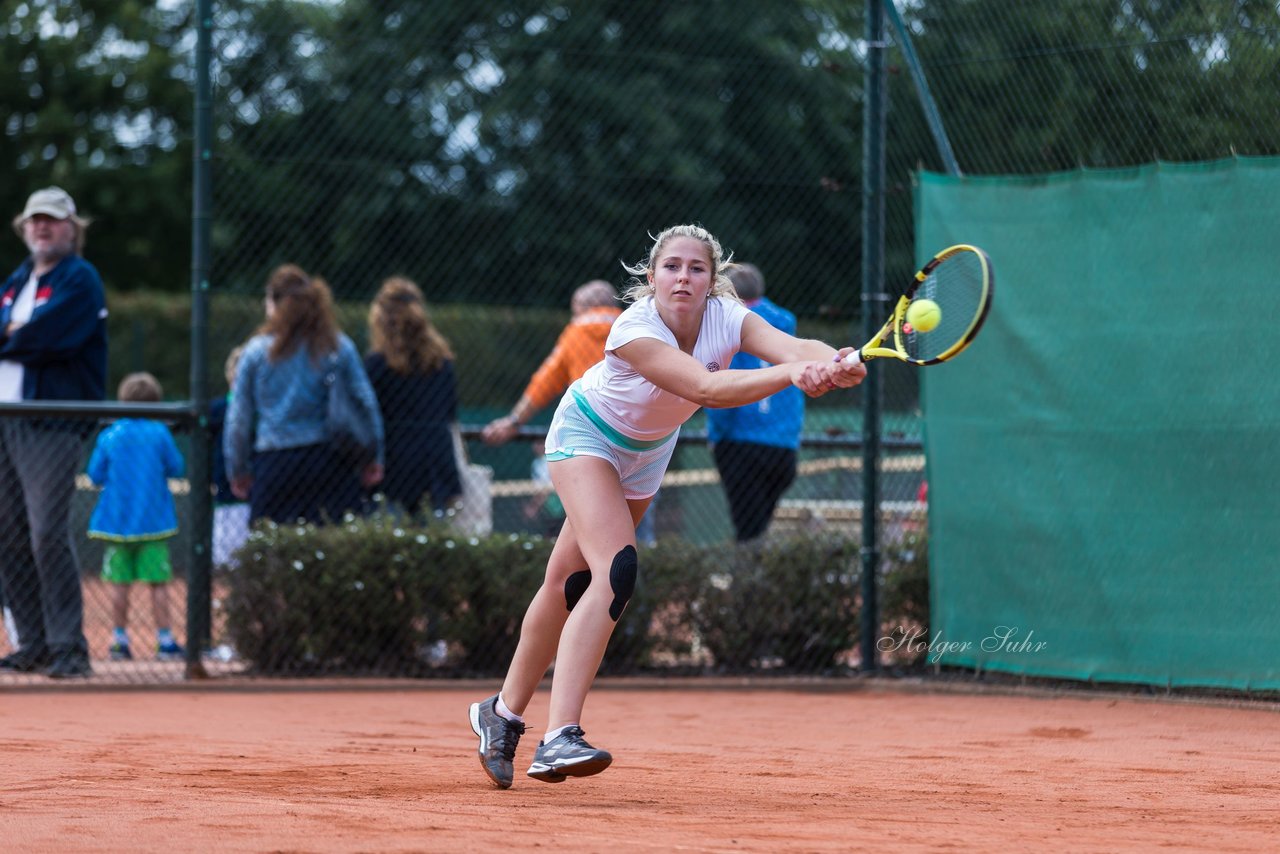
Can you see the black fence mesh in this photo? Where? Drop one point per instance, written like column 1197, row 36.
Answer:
column 97, row 546
column 499, row 155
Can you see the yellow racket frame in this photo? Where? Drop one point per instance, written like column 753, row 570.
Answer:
column 874, row 348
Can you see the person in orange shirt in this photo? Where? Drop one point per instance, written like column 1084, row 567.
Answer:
column 580, row 345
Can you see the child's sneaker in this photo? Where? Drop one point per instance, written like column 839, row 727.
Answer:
column 119, row 652
column 170, row 651
column 568, row 755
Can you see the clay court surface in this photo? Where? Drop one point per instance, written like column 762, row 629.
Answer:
column 821, row 767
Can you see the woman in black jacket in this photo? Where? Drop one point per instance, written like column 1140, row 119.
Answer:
column 410, row 365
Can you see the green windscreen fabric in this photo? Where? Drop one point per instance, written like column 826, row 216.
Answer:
column 1103, row 460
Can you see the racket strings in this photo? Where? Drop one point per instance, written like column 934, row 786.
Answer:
column 958, row 286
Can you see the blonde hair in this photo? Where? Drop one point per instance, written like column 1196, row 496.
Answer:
column 401, row 329
column 303, row 314
column 640, row 272
column 141, row 387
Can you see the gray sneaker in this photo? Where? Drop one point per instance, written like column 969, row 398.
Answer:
column 568, row 755
column 498, row 740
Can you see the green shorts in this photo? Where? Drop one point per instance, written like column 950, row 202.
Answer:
column 125, row 563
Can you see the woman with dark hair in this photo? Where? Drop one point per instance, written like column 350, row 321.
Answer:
column 277, row 415
column 410, row 365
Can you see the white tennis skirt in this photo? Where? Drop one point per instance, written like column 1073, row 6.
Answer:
column 577, row 431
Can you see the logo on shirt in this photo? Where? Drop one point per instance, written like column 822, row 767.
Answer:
column 713, row 366
column 43, row 294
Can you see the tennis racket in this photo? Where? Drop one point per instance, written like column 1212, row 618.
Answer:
column 960, row 281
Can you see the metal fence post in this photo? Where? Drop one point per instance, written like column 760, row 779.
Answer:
column 873, row 302
column 199, row 572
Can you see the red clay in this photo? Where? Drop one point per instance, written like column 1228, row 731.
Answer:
column 755, row 769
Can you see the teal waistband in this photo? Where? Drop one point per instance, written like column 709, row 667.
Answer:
column 611, row 434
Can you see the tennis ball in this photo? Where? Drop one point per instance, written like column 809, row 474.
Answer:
column 924, row 315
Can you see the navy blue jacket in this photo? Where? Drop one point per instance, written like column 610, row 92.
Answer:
column 63, row 347
column 418, row 411
column 222, row 493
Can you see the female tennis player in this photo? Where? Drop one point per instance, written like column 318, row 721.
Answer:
column 607, row 449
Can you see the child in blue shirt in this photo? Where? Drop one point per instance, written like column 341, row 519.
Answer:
column 132, row 462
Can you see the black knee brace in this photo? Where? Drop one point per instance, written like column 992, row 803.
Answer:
column 622, row 578
column 575, row 585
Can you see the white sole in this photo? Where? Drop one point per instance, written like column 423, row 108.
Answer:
column 558, row 773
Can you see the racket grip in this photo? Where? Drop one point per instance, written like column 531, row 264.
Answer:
column 854, row 358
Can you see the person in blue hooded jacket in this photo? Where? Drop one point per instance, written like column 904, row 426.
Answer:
column 132, row 461
column 756, row 446
column 53, row 346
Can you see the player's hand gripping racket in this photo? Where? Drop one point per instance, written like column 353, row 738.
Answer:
column 959, row 282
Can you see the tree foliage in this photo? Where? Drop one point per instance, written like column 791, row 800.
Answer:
column 505, row 150
column 97, row 99
column 1030, row 87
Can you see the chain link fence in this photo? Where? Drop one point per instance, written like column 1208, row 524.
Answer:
column 498, row 156
column 499, row 159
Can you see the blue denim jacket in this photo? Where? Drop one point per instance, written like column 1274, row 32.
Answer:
column 278, row 405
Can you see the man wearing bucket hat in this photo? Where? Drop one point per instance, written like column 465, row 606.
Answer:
column 53, row 346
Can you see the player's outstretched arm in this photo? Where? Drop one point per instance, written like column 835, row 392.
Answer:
column 778, row 347
column 675, row 371
column 773, row 345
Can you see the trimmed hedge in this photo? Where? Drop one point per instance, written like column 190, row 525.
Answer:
column 373, row 596
column 779, row 603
